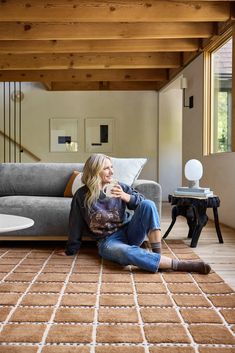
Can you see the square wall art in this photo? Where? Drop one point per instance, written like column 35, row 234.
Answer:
column 63, row 135
column 99, row 135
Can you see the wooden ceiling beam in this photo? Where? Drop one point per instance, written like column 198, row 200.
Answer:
column 186, row 59
column 89, row 61
column 48, row 85
column 106, row 45
column 105, row 85
column 73, row 75
column 94, row 46
column 81, row 31
column 115, row 11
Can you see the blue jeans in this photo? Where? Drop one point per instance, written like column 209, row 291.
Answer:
column 123, row 246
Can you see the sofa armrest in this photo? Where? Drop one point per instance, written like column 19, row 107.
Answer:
column 151, row 190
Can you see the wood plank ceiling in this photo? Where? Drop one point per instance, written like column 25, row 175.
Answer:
column 105, row 45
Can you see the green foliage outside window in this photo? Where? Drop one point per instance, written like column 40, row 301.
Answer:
column 221, row 63
column 223, row 129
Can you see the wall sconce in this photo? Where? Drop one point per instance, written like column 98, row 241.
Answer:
column 184, row 85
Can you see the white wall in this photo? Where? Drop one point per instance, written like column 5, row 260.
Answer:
column 193, row 118
column 219, row 169
column 135, row 115
column 136, row 131
column 170, row 138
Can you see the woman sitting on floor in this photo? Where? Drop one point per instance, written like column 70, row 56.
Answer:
column 118, row 232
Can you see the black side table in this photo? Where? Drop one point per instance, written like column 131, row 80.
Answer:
column 194, row 209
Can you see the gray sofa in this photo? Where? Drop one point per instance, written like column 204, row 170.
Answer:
column 36, row 190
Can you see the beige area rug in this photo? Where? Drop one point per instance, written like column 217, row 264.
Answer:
column 81, row 304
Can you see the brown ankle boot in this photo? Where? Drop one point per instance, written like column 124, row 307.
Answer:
column 191, row 266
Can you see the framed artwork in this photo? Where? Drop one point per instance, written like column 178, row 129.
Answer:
column 63, row 135
column 99, row 134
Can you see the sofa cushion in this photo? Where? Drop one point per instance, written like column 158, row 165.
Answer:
column 127, row 170
column 40, row 179
column 77, row 183
column 68, row 189
column 50, row 214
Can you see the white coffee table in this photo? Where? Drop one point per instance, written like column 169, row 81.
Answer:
column 9, row 223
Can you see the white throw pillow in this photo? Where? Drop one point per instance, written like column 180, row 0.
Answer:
column 127, row 170
column 77, row 183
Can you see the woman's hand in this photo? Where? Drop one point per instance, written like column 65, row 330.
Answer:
column 118, row 192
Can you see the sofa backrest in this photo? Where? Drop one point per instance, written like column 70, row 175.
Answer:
column 41, row 179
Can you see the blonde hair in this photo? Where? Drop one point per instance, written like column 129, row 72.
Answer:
column 91, row 177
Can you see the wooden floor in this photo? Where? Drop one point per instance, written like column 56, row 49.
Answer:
column 221, row 257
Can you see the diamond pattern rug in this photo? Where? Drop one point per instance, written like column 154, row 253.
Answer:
column 81, row 304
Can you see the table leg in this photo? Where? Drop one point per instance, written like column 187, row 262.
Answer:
column 201, row 221
column 174, row 214
column 191, row 226
column 217, row 226
column 191, row 217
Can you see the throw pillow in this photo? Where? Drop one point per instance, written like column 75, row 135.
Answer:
column 68, row 189
column 77, row 183
column 127, row 170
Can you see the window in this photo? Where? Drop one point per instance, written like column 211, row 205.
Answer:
column 221, row 98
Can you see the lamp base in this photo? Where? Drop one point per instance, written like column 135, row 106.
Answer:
column 193, row 183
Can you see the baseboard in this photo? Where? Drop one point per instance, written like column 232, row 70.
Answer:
column 35, row 237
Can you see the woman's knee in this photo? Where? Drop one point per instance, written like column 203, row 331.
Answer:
column 149, row 212
column 148, row 205
column 115, row 252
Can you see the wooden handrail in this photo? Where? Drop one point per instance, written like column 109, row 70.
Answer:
column 22, row 148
